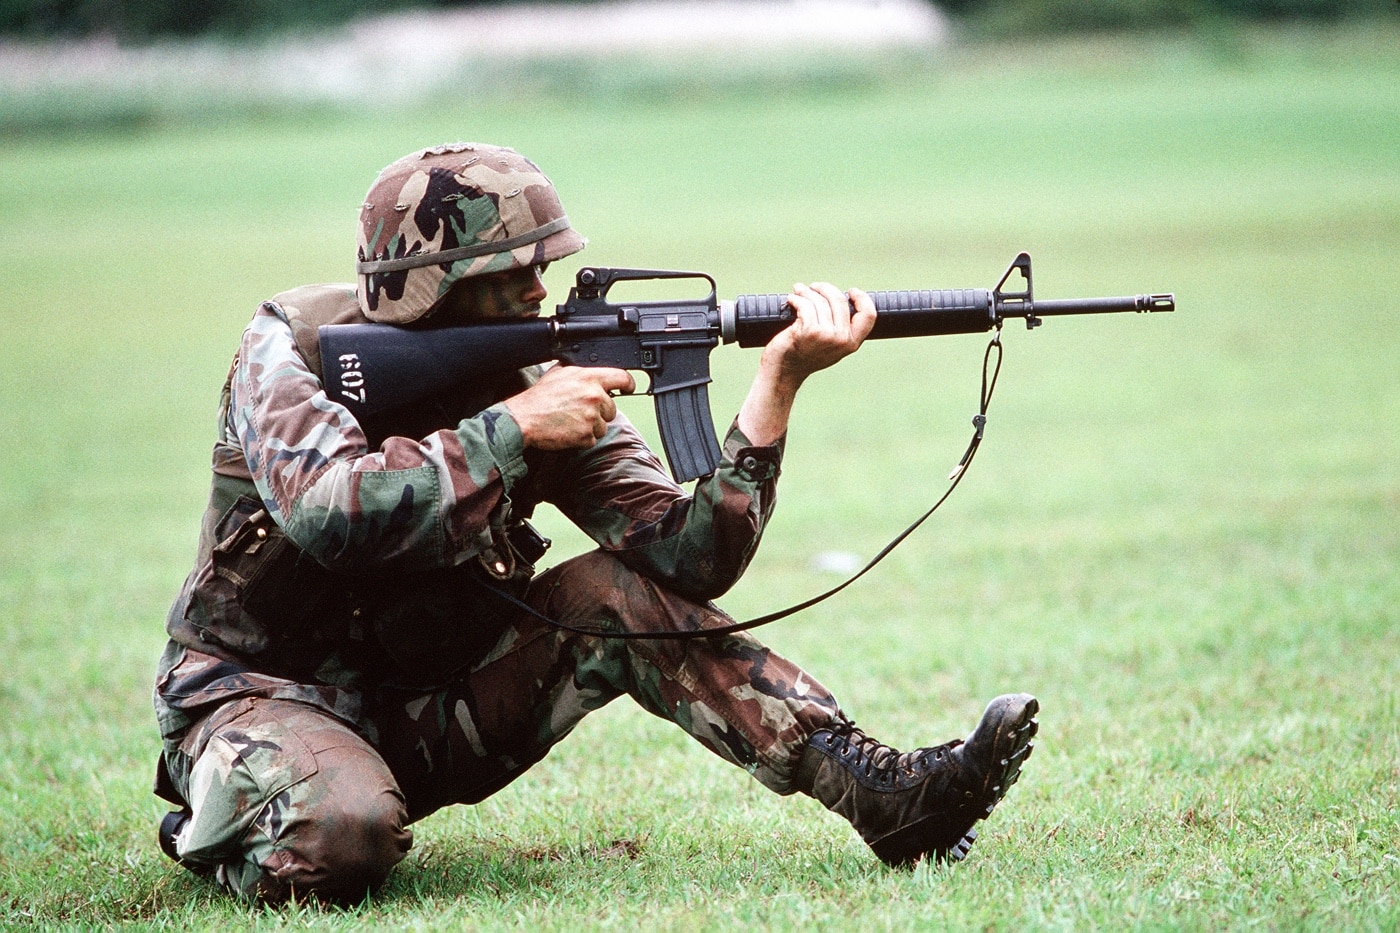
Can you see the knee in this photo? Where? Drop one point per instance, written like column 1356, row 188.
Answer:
column 343, row 851
column 289, row 802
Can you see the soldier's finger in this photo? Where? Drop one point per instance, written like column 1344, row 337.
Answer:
column 838, row 306
column 617, row 381
column 863, row 320
column 801, row 304
column 821, row 313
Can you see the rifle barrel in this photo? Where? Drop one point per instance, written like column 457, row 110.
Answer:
column 1140, row 303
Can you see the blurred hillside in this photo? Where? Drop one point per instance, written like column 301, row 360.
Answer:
column 101, row 80
column 76, row 65
column 137, row 20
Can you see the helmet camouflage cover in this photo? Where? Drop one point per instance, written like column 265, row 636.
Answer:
column 441, row 214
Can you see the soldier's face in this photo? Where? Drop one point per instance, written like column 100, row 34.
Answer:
column 513, row 293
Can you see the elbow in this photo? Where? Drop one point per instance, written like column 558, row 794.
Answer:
column 709, row 591
column 328, row 540
column 714, row 581
column 347, row 544
column 705, row 578
column 342, row 551
column 716, row 572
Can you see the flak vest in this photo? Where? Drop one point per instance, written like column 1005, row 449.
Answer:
column 258, row 600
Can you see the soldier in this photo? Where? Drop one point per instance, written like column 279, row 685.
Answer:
column 341, row 662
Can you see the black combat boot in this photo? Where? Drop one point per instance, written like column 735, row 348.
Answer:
column 170, row 827
column 906, row 805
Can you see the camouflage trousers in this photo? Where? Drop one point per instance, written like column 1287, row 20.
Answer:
column 289, row 798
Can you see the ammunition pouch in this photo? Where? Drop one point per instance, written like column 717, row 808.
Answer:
column 260, row 596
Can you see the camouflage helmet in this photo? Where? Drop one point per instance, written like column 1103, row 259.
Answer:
column 441, row 214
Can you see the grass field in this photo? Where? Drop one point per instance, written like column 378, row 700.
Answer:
column 1182, row 532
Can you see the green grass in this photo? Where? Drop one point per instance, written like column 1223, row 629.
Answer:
column 1182, row 532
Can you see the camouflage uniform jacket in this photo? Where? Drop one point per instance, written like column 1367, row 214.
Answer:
column 327, row 568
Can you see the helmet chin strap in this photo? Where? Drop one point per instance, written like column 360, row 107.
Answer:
column 990, row 370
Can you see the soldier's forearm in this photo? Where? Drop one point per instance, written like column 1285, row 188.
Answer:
column 768, row 407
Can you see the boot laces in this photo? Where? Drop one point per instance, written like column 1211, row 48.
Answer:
column 874, row 756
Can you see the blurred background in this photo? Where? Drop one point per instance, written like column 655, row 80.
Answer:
column 1181, row 532
column 67, row 63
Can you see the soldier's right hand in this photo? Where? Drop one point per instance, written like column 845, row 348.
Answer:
column 570, row 407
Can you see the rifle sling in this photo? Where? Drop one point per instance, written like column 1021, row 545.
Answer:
column 979, row 421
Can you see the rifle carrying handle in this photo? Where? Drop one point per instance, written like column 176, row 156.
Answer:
column 687, row 432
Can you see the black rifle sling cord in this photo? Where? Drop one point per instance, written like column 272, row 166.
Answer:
column 979, row 422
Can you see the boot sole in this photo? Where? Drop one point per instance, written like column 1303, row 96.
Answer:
column 949, row 836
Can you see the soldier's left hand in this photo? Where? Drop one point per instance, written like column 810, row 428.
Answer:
column 830, row 326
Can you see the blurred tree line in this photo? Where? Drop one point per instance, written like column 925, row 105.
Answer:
column 1062, row 16
column 136, row 20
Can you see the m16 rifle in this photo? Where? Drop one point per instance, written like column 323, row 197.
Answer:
column 376, row 369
